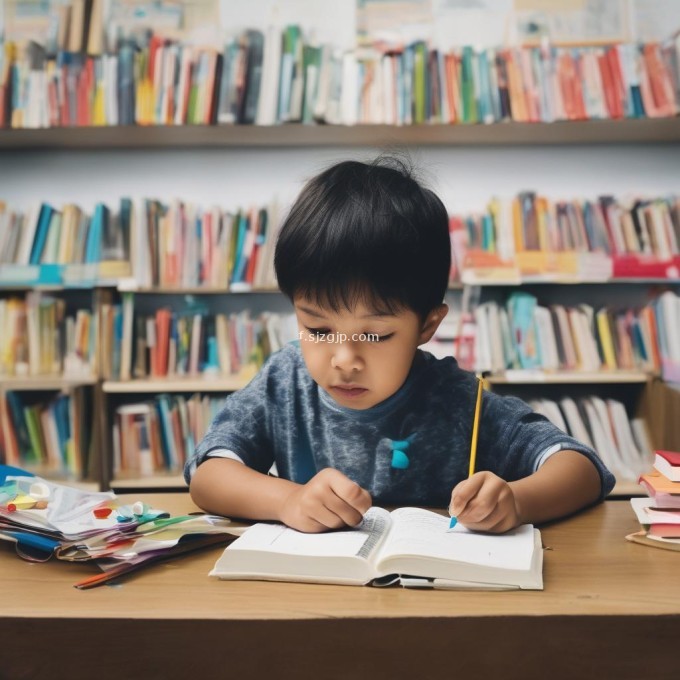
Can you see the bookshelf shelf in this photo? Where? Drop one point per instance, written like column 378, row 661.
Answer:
column 198, row 384
column 44, row 383
column 155, row 482
column 567, row 378
column 629, row 131
column 570, row 282
column 199, row 291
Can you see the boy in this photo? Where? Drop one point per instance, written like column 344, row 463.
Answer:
column 355, row 413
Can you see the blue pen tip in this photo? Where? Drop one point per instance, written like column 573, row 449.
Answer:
column 453, row 522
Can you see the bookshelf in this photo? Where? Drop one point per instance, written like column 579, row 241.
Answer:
column 110, row 394
column 203, row 163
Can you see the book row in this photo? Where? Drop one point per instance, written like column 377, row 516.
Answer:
column 147, row 241
column 525, row 335
column 53, row 436
column 281, row 76
column 531, row 237
column 158, row 436
column 622, row 443
column 187, row 342
column 41, row 336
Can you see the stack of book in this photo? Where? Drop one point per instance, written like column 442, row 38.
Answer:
column 159, row 436
column 523, row 334
column 44, row 520
column 281, row 76
column 533, row 238
column 659, row 514
column 604, row 425
column 187, row 342
column 49, row 435
column 145, row 243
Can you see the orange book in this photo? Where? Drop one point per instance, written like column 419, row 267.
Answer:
column 162, row 348
column 516, row 88
column 517, row 226
column 451, row 68
column 8, row 434
column 649, row 319
column 658, row 485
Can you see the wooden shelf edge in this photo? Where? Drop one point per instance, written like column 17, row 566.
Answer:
column 573, row 377
column 44, row 383
column 175, row 385
column 158, row 482
column 627, row 131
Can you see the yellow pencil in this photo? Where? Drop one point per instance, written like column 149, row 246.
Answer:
column 473, row 442
column 475, row 427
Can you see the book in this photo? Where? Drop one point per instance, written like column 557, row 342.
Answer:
column 665, row 492
column 410, row 546
column 668, row 464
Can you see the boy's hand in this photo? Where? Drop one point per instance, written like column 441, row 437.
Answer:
column 485, row 502
column 329, row 500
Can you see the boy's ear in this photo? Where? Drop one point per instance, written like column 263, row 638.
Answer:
column 431, row 323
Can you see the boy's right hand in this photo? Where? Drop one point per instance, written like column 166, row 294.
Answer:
column 329, row 500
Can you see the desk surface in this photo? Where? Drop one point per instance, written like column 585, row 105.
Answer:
column 601, row 592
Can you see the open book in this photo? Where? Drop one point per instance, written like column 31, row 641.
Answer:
column 409, row 546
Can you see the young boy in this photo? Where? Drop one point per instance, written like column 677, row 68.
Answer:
column 355, row 413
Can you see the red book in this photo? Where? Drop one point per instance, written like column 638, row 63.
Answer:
column 611, row 100
column 618, row 80
column 668, row 464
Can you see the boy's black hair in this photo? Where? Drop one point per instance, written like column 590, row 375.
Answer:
column 369, row 232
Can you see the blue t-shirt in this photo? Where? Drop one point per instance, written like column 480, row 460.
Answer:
column 411, row 449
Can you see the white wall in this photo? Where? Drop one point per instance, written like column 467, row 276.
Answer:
column 465, row 177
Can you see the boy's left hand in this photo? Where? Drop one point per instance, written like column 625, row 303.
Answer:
column 485, row 502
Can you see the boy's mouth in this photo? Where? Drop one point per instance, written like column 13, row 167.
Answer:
column 349, row 390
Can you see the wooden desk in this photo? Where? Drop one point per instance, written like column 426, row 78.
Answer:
column 610, row 609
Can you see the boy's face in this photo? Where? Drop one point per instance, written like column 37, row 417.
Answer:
column 358, row 356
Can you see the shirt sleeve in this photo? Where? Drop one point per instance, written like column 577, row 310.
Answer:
column 241, row 428
column 516, row 441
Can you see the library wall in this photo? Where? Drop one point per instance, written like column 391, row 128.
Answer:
column 465, row 177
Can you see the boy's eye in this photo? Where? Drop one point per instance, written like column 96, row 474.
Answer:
column 382, row 338
column 318, row 332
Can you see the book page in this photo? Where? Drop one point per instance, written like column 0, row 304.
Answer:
column 359, row 542
column 422, row 533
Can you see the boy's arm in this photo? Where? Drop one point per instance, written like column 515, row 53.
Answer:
column 565, row 483
column 327, row 501
column 222, row 486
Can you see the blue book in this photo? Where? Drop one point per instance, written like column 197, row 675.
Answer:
column 242, row 230
column 523, row 326
column 94, row 237
column 44, row 219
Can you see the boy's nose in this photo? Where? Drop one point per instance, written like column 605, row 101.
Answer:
column 346, row 358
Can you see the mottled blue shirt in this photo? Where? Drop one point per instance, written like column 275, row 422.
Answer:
column 283, row 417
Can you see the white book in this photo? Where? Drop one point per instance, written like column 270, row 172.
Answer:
column 546, row 339
column 635, row 460
column 269, row 88
column 482, row 340
column 30, row 225
column 385, row 546
column 647, row 513
column 577, row 427
column 349, row 102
